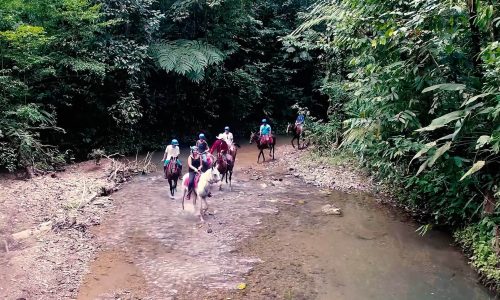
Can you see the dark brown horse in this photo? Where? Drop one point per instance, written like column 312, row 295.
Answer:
column 172, row 173
column 254, row 137
column 297, row 132
column 233, row 151
column 223, row 164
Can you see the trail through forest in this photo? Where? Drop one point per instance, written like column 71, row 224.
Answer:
column 269, row 237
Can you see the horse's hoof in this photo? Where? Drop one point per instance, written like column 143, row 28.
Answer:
column 171, row 197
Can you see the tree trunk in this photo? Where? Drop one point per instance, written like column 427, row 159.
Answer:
column 29, row 172
column 489, row 203
column 497, row 241
column 475, row 37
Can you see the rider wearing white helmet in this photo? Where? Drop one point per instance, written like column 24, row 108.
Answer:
column 227, row 136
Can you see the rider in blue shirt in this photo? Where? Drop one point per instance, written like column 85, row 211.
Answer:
column 300, row 120
column 265, row 129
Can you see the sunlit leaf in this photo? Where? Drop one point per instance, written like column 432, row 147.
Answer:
column 424, row 150
column 482, row 140
column 439, row 152
column 445, row 87
column 443, row 120
column 476, row 167
column 472, row 99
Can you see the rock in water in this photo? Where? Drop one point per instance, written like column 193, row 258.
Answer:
column 331, row 210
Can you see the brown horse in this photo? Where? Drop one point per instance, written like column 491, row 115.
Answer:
column 254, row 137
column 172, row 173
column 222, row 165
column 233, row 151
column 297, row 132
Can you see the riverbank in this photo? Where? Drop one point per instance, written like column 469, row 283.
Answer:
column 339, row 172
column 45, row 242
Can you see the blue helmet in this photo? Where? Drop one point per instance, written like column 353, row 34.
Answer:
column 226, row 128
column 264, row 121
column 175, row 142
column 194, row 148
column 201, row 136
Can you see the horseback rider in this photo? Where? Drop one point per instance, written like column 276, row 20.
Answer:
column 195, row 164
column 220, row 146
column 265, row 132
column 172, row 152
column 203, row 148
column 300, row 120
column 227, row 136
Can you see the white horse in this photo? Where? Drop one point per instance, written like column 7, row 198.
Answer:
column 212, row 175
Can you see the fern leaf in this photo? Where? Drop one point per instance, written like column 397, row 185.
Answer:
column 188, row 58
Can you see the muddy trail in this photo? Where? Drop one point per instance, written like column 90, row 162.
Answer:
column 268, row 237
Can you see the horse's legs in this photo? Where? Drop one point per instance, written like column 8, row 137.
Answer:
column 170, row 184
column 293, row 139
column 230, row 176
column 183, row 198
column 202, row 211
column 204, row 201
column 221, row 181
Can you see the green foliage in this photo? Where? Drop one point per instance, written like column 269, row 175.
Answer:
column 414, row 91
column 188, row 58
column 479, row 240
column 123, row 75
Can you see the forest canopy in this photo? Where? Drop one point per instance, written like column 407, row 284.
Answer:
column 128, row 75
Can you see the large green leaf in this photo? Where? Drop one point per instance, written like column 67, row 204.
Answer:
column 445, row 87
column 424, row 150
column 472, row 99
column 439, row 152
column 443, row 120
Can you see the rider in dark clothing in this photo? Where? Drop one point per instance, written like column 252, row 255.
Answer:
column 194, row 163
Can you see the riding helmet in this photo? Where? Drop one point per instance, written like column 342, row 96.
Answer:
column 194, row 148
column 175, row 142
column 226, row 128
column 264, row 121
column 201, row 136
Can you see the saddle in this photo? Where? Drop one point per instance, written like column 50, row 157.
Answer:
column 172, row 166
column 196, row 180
column 298, row 128
column 266, row 140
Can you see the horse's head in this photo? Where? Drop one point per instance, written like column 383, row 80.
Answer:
column 289, row 127
column 214, row 175
column 253, row 137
